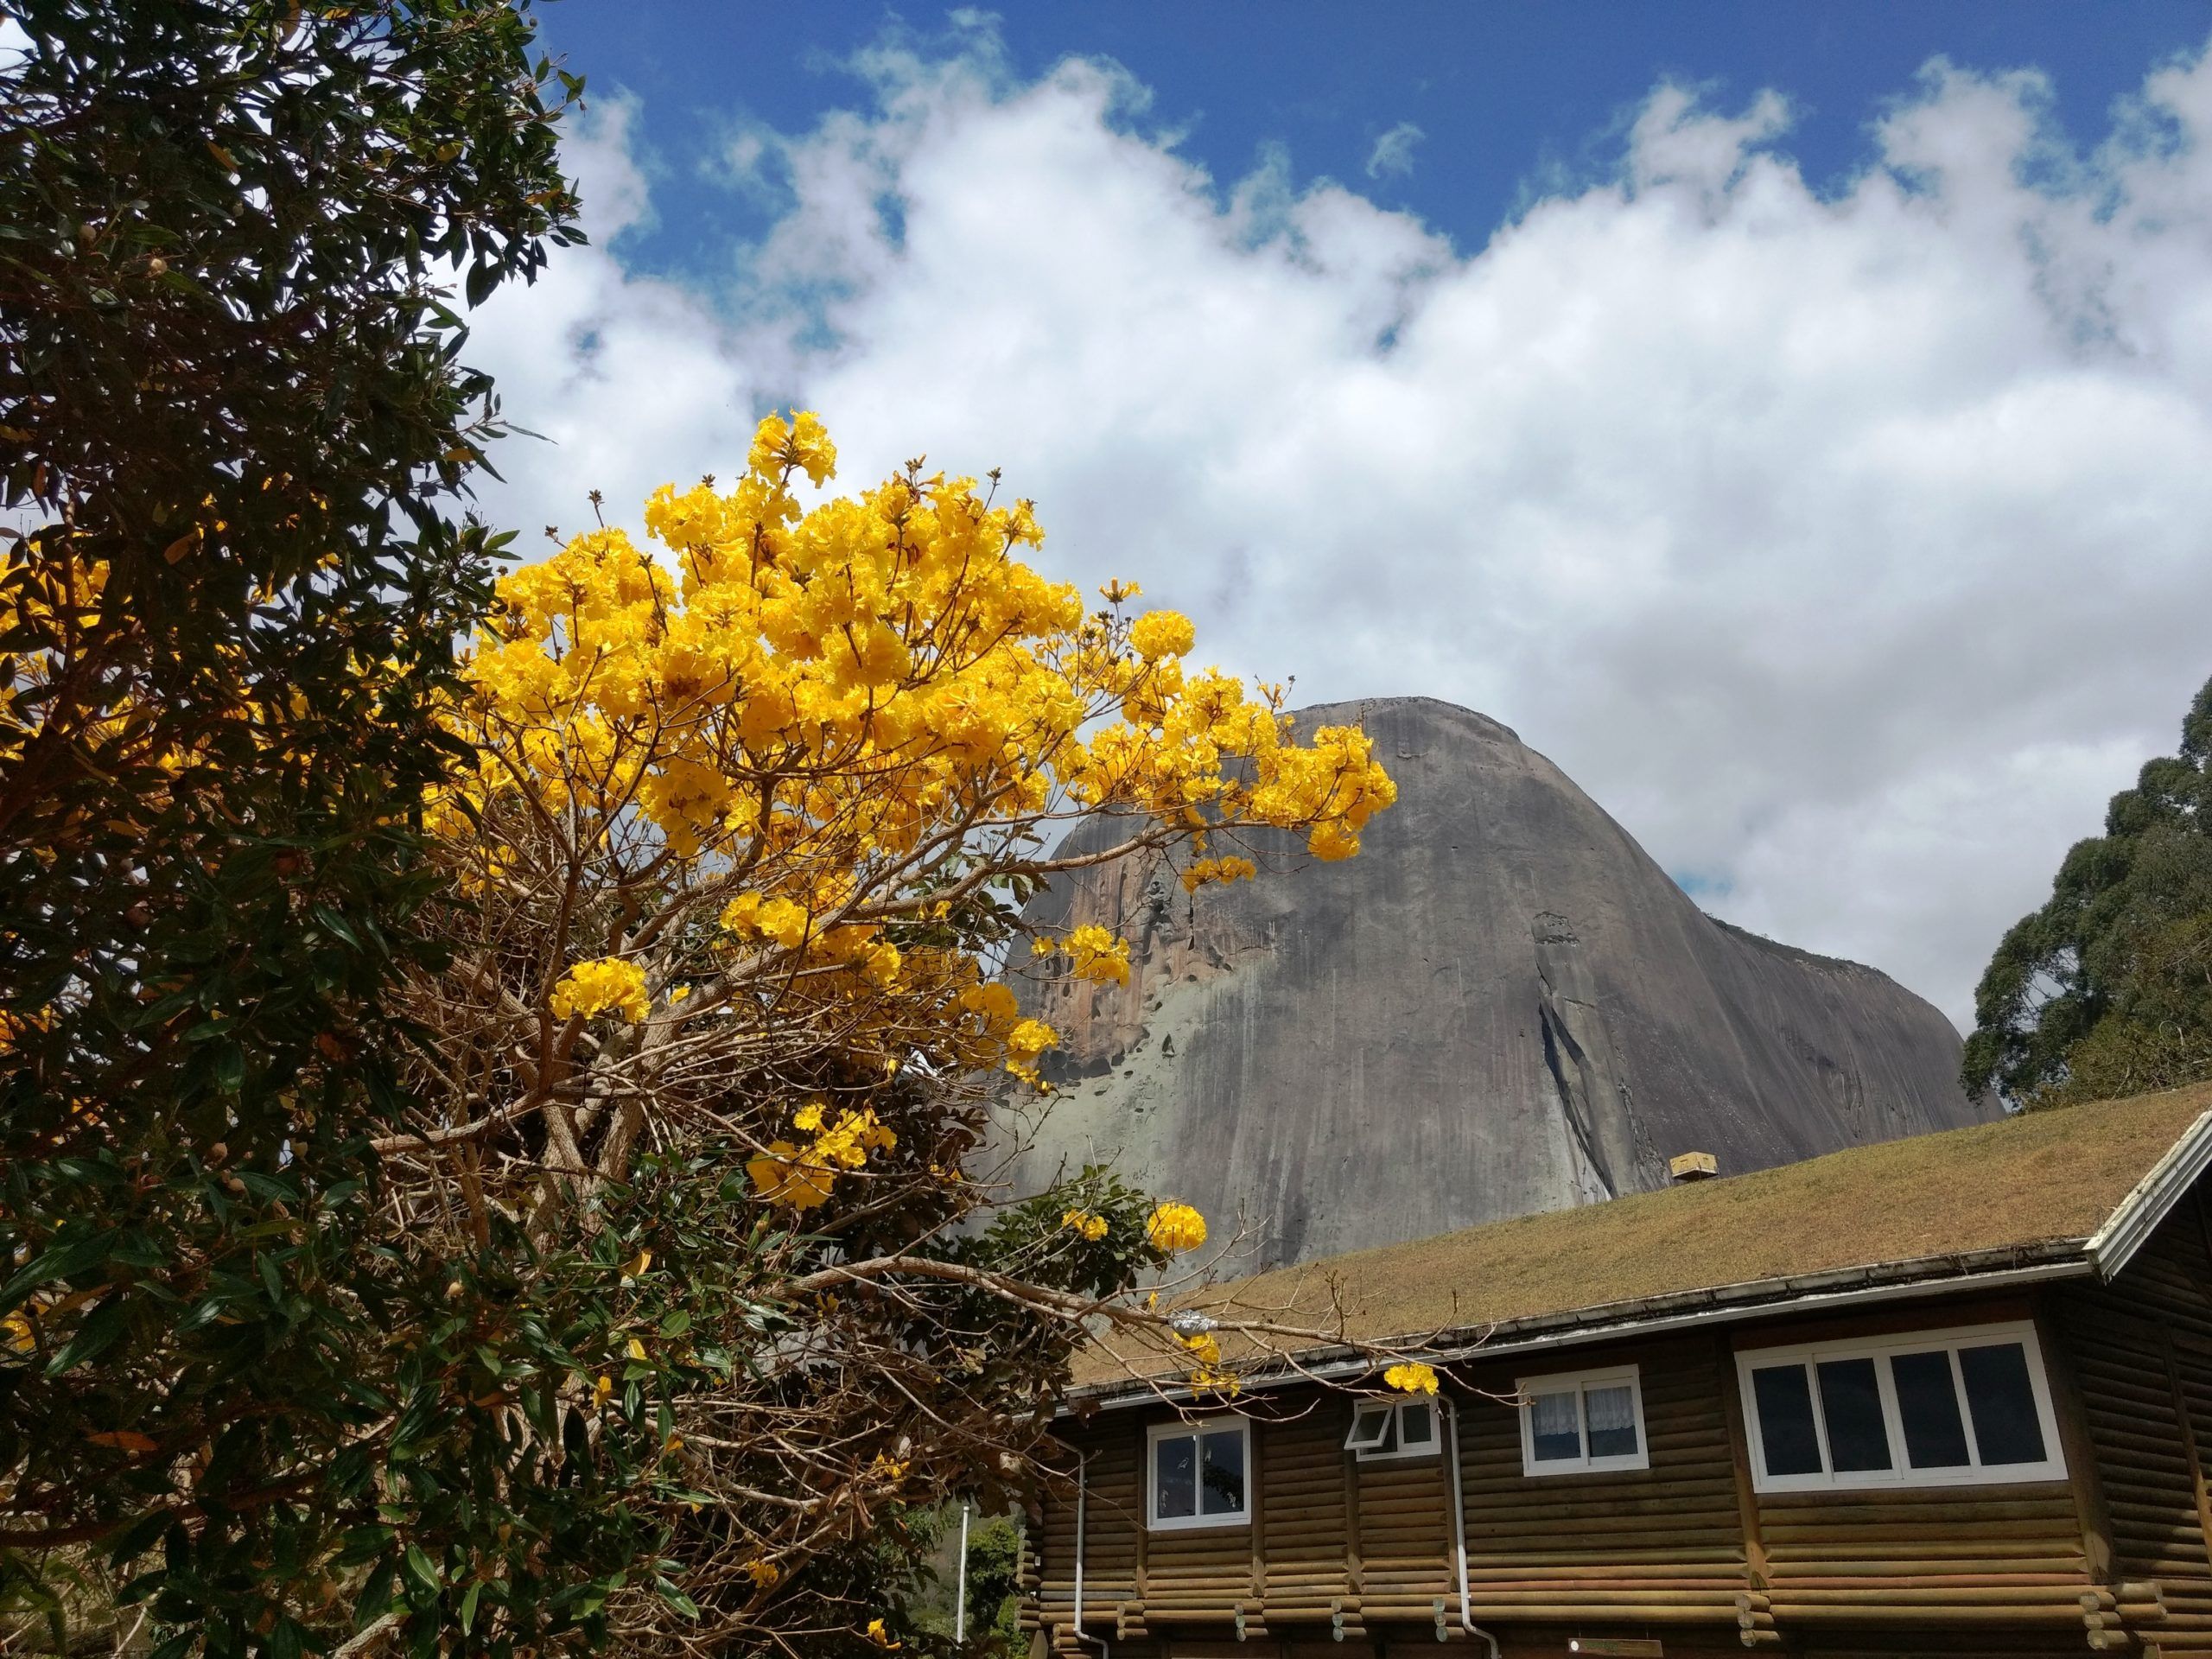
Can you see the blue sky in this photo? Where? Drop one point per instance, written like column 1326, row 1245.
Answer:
column 1506, row 98
column 1795, row 421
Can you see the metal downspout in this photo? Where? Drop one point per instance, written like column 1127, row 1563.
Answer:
column 960, row 1604
column 1459, row 1532
column 1082, row 1499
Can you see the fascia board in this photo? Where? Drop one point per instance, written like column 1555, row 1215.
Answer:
column 2151, row 1200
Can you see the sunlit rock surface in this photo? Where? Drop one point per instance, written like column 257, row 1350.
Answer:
column 1501, row 1005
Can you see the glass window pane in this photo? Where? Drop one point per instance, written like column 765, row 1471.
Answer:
column 1784, row 1398
column 1850, row 1406
column 1222, row 1484
column 1555, row 1428
column 1927, row 1403
column 1611, row 1412
column 1416, row 1425
column 2003, row 1402
column 1368, row 1424
column 1175, row 1486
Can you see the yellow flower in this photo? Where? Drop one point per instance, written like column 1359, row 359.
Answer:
column 601, row 1387
column 1217, row 869
column 1205, row 1346
column 765, row 1575
column 1411, row 1376
column 1207, row 1379
column 1097, row 954
column 1029, row 1038
column 636, row 1351
column 1092, row 1227
column 591, row 988
column 784, row 1177
column 1175, row 1227
column 803, row 1176
column 1162, row 634
column 783, row 922
column 880, row 1636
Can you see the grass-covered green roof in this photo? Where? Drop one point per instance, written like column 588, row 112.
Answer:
column 2031, row 1185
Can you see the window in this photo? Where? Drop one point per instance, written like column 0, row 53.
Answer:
column 1580, row 1421
column 1927, row 1408
column 1201, row 1474
column 1382, row 1429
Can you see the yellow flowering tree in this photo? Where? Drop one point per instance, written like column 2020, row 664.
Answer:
column 734, row 871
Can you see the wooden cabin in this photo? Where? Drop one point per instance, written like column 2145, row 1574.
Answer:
column 1939, row 1395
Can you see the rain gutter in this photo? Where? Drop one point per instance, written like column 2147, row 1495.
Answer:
column 1726, row 1304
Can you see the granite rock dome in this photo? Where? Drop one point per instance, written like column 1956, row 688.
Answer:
column 1501, row 1006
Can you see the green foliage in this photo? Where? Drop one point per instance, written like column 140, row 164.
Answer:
column 993, row 1581
column 235, row 423
column 2106, row 990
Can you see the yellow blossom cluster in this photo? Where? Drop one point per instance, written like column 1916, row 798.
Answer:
column 1175, row 1227
column 765, row 1575
column 1093, row 954
column 1092, row 1226
column 1162, row 634
column 45, row 606
column 1211, row 1379
column 802, row 1176
column 1411, row 1376
column 606, row 985
column 1222, row 870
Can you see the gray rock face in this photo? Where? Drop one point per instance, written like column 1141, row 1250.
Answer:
column 1501, row 1005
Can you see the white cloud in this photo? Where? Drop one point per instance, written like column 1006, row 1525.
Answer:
column 1393, row 155
column 1849, row 546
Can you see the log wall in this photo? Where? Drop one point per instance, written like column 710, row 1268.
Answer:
column 1662, row 1545
column 2140, row 1350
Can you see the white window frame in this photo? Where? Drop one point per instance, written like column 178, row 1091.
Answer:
column 1611, row 1376
column 1901, row 1474
column 1394, row 1412
column 1196, row 1427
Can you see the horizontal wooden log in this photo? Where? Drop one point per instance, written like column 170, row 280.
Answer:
column 1558, row 1588
column 1720, row 1613
column 1610, row 1556
column 1721, row 1570
column 1717, row 1598
column 2055, row 1569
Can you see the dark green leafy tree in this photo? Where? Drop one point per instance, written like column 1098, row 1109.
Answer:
column 2106, row 990
column 235, row 431
column 994, row 1581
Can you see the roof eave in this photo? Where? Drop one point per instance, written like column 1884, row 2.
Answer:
column 1646, row 1316
column 2151, row 1200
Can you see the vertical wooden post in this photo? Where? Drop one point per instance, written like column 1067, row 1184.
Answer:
column 2188, row 1441
column 2197, row 1202
column 1740, row 1461
column 2083, row 1473
column 1144, row 1507
column 1258, row 1511
column 1354, row 1578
